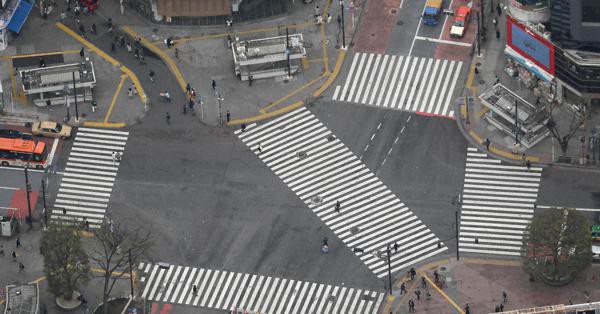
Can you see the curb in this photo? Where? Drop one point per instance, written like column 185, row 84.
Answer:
column 163, row 56
column 111, row 60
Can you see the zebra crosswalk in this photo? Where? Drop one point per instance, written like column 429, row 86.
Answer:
column 85, row 188
column 498, row 202
column 321, row 170
column 415, row 84
column 225, row 290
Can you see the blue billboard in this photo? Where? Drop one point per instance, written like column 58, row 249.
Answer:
column 531, row 46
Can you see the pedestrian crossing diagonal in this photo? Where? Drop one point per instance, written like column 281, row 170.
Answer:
column 498, row 203
column 225, row 290
column 321, row 170
column 415, row 84
column 85, row 188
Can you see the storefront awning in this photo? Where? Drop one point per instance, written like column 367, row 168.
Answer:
column 532, row 67
column 20, row 16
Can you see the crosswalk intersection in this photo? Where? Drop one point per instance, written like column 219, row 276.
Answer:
column 225, row 290
column 498, row 203
column 89, row 176
column 414, row 84
column 321, row 170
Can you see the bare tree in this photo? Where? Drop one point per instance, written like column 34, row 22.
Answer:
column 118, row 248
column 578, row 118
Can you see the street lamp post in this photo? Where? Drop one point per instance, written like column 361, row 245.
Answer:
column 389, row 253
column 516, row 122
column 130, row 273
column 458, row 202
column 44, row 202
column 343, row 25
column 287, row 51
column 219, row 99
column 28, row 190
column 75, row 94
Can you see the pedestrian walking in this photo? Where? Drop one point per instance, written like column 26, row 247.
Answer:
column 18, row 242
column 436, row 276
column 476, row 71
column 2, row 250
column 418, row 294
column 329, row 18
column 21, row 267
column 122, row 42
column 423, row 283
column 243, row 127
column 498, row 34
column 497, row 79
column 42, row 63
column 195, row 289
column 114, row 158
column 64, row 211
column 176, row 52
column 396, row 246
column 214, row 85
column 129, row 47
column 113, row 48
column 403, row 288
column 487, row 143
column 14, row 256
column 228, row 115
column 339, row 21
column 188, row 89
column 498, row 9
column 134, row 89
column 151, row 76
column 191, row 104
column 495, row 22
column 501, row 307
column 82, row 30
column 337, row 206
column 317, row 11
column 130, row 92
column 166, row 95
column 94, row 30
column 504, row 297
column 136, row 53
column 259, row 148
column 497, row 309
column 528, row 164
column 467, row 309
column 168, row 118
column 413, row 273
column 82, row 53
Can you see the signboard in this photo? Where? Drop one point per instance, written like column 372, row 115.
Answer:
column 530, row 45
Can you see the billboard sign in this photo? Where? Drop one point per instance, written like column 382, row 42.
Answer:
column 530, row 45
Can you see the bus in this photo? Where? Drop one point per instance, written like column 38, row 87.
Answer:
column 23, row 153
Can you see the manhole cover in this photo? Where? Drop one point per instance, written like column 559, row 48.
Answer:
column 317, row 200
column 337, row 46
column 443, row 268
column 302, row 154
column 400, row 22
column 354, row 230
column 393, row 11
column 373, row 35
column 331, row 138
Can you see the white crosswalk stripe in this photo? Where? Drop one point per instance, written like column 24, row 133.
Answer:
column 88, row 179
column 498, row 203
column 401, row 82
column 225, row 290
column 321, row 170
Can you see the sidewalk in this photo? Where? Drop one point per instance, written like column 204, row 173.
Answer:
column 490, row 65
column 480, row 284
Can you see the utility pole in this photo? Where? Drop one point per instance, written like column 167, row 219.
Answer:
column 44, row 201
column 389, row 253
column 458, row 202
column 287, row 51
column 130, row 273
column 66, row 90
column 219, row 99
column 27, row 190
column 478, row 37
column 516, row 122
column 343, row 25
column 75, row 94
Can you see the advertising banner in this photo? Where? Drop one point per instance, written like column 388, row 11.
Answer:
column 530, row 45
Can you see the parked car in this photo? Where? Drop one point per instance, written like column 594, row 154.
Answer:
column 7, row 133
column 596, row 252
column 50, row 129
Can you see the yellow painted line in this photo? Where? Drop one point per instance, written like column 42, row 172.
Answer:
column 123, row 274
column 483, row 111
column 503, row 153
column 105, row 124
column 333, row 75
column 388, row 304
column 281, row 100
column 39, row 54
column 305, row 63
column 170, row 63
column 471, row 76
column 475, row 136
column 268, row 115
column 246, row 32
column 463, row 111
column 38, row 280
column 106, row 57
column 114, row 99
column 432, row 284
column 496, row 262
column 86, row 43
column 84, row 233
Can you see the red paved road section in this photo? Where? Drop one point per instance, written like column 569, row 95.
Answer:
column 455, row 52
column 376, row 26
column 19, row 201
